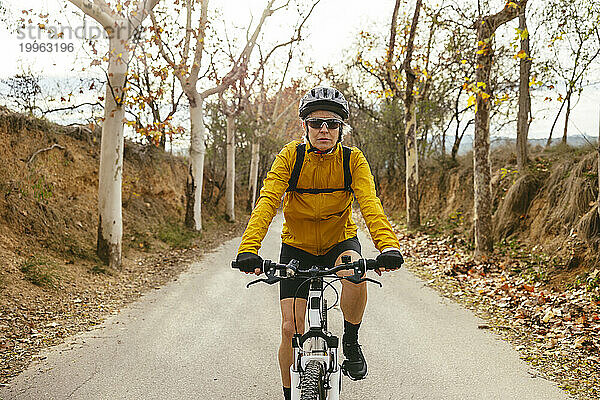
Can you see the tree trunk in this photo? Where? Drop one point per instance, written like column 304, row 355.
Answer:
column 568, row 113
column 110, row 221
column 524, row 97
column 410, row 132
column 193, row 213
column 443, row 145
column 230, row 184
column 481, row 145
column 412, row 165
column 253, row 184
column 486, row 27
column 110, row 218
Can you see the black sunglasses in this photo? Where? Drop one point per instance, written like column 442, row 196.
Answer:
column 317, row 123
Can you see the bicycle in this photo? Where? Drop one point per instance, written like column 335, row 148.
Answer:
column 315, row 371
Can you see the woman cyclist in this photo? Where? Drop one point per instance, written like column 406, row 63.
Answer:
column 320, row 179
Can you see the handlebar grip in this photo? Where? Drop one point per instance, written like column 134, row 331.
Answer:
column 236, row 265
column 372, row 264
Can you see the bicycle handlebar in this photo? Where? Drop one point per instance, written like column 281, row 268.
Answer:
column 293, row 270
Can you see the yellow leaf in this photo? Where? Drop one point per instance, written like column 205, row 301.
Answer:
column 485, row 96
column 512, row 4
column 524, row 34
column 471, row 101
column 463, row 61
column 481, row 84
column 521, row 54
column 533, row 81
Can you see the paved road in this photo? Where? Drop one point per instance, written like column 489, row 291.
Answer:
column 205, row 336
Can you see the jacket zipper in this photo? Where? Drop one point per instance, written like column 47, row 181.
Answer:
column 318, row 211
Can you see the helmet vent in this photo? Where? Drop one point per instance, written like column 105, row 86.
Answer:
column 323, row 98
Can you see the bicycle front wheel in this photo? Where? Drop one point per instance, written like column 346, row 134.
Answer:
column 312, row 386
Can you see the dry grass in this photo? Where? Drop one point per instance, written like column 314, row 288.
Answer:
column 515, row 206
column 571, row 190
column 588, row 228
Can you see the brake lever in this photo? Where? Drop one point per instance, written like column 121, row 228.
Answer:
column 269, row 272
column 269, row 281
column 372, row 281
column 357, row 280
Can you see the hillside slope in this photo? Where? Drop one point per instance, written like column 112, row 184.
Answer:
column 51, row 282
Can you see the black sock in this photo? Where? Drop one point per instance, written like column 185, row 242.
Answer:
column 350, row 332
column 287, row 393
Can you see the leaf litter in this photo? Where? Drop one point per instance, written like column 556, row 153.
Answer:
column 557, row 333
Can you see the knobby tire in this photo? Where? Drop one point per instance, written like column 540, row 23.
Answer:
column 312, row 386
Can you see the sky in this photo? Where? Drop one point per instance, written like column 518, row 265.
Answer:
column 330, row 29
column 328, row 33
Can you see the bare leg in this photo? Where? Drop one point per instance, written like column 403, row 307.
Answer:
column 354, row 297
column 286, row 354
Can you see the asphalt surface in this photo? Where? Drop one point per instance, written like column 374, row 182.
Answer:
column 205, row 336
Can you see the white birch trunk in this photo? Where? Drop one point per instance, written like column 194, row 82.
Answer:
column 412, row 169
column 110, row 225
column 193, row 216
column 119, row 30
column 230, row 182
column 254, row 160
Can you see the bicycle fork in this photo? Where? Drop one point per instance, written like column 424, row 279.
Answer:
column 321, row 346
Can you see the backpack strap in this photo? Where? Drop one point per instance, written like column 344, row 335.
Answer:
column 346, row 163
column 293, row 182
column 295, row 175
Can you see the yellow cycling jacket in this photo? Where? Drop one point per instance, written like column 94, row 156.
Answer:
column 316, row 222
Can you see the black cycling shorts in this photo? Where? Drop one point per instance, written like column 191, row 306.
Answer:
column 294, row 287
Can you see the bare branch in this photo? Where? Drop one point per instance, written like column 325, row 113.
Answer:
column 54, row 146
column 71, row 107
column 389, row 60
column 143, row 9
column 161, row 46
column 188, row 31
column 367, row 70
column 283, row 6
column 195, row 68
column 100, row 12
column 238, row 68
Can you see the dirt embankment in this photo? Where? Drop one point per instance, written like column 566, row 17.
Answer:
column 51, row 282
column 546, row 215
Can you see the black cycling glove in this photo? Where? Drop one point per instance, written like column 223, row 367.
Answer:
column 390, row 259
column 248, row 262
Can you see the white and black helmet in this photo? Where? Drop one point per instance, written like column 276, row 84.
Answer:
column 323, row 98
